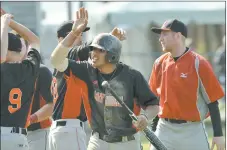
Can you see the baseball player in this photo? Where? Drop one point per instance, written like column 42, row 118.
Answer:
column 42, row 109
column 112, row 126
column 17, row 84
column 68, row 119
column 188, row 91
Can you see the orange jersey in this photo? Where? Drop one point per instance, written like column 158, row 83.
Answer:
column 185, row 86
column 71, row 92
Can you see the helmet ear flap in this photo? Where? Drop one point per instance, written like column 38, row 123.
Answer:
column 112, row 57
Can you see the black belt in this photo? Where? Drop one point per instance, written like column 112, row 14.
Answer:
column 63, row 123
column 110, row 139
column 19, row 130
column 176, row 121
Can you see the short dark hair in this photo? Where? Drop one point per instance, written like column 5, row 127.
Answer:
column 14, row 43
column 26, row 42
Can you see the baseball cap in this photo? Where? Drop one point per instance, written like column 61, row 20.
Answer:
column 14, row 43
column 172, row 25
column 66, row 27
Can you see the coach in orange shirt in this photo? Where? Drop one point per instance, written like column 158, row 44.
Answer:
column 188, row 91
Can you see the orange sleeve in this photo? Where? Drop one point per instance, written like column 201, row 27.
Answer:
column 152, row 81
column 210, row 83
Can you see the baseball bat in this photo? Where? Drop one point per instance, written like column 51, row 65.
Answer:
column 149, row 134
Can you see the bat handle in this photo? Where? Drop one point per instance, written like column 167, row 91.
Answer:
column 133, row 116
column 150, row 135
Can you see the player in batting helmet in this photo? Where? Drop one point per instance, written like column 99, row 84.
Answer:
column 109, row 43
column 112, row 127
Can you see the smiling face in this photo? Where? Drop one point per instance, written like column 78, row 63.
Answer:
column 98, row 57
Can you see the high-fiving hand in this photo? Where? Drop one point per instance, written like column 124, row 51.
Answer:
column 5, row 18
column 81, row 21
column 119, row 33
column 2, row 12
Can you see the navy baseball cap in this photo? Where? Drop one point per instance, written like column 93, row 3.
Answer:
column 14, row 43
column 172, row 25
column 66, row 27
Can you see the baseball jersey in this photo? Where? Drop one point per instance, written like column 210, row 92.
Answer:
column 104, row 113
column 69, row 104
column 17, row 88
column 42, row 96
column 185, row 86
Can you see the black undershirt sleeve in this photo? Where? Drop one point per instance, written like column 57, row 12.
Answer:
column 215, row 118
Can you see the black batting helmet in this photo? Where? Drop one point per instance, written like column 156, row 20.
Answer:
column 109, row 43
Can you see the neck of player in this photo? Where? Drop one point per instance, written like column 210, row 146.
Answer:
column 178, row 50
column 107, row 68
column 13, row 57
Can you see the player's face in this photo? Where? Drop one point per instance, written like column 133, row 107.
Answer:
column 167, row 41
column 98, row 57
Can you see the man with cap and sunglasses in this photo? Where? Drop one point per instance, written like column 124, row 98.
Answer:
column 18, row 78
column 188, row 91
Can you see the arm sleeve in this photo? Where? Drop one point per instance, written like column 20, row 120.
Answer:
column 142, row 91
column 210, row 87
column 45, row 80
column 215, row 118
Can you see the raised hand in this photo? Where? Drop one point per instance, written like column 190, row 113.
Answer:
column 6, row 18
column 2, row 12
column 81, row 21
column 119, row 33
